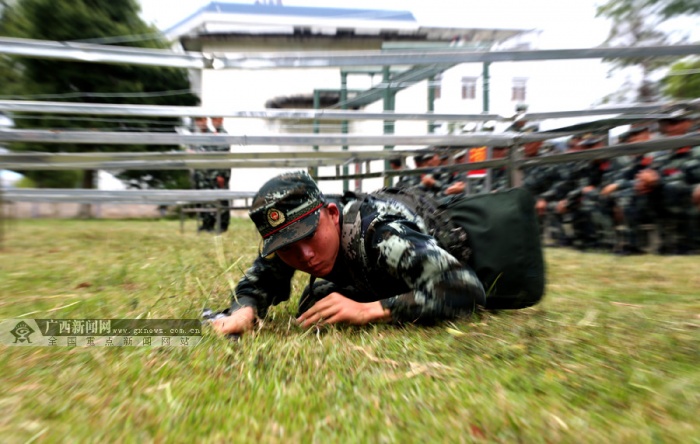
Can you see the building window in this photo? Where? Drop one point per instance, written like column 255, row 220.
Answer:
column 436, row 84
column 519, row 89
column 468, row 87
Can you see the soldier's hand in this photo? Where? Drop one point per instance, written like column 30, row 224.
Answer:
column 561, row 207
column 336, row 308
column 455, row 188
column 428, row 181
column 696, row 196
column 609, row 189
column 238, row 322
column 541, row 207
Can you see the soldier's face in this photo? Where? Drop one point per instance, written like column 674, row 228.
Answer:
column 532, row 148
column 672, row 128
column 317, row 253
column 639, row 137
column 433, row 161
column 499, row 152
column 201, row 123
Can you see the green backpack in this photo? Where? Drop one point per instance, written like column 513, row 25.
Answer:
column 496, row 234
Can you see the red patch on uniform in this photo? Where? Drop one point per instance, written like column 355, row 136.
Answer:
column 671, row 171
column 274, row 215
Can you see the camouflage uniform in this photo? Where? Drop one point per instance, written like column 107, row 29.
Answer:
column 592, row 217
column 443, row 180
column 633, row 209
column 538, row 180
column 679, row 172
column 212, row 180
column 586, row 223
column 386, row 255
column 407, row 181
column 499, row 182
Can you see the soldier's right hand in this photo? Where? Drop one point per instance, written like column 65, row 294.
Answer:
column 428, row 181
column 238, row 322
column 541, row 207
column 609, row 189
column 455, row 188
column 561, row 207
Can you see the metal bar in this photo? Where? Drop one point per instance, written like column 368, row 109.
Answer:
column 486, row 78
column 389, row 94
column 599, row 153
column 91, row 53
column 403, row 58
column 184, row 165
column 131, row 138
column 431, row 102
column 2, row 217
column 668, row 143
column 313, row 172
column 97, row 109
column 185, row 196
column 149, row 197
column 85, row 52
column 121, row 161
column 344, row 123
column 180, row 156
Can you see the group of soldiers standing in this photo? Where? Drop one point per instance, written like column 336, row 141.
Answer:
column 211, row 179
column 627, row 205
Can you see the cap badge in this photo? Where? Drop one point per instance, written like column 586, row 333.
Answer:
column 275, row 217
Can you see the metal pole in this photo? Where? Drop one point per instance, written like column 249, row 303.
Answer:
column 388, row 106
column 217, row 205
column 313, row 171
column 2, row 217
column 431, row 102
column 344, row 123
column 487, row 85
column 515, row 174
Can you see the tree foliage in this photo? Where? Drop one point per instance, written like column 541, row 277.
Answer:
column 94, row 21
column 636, row 23
column 683, row 80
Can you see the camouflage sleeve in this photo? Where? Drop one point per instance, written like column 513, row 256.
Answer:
column 321, row 289
column 442, row 287
column 678, row 188
column 267, row 282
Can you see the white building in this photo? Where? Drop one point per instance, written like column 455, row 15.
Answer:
column 251, row 28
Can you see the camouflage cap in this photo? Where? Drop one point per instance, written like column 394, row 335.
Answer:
column 286, row 209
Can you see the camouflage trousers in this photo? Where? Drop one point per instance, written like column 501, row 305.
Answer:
column 207, row 219
column 589, row 222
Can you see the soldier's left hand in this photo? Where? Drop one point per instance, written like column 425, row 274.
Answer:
column 428, row 181
column 455, row 188
column 609, row 189
column 336, row 308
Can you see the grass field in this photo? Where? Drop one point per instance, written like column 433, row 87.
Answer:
column 611, row 355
